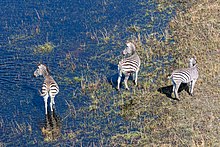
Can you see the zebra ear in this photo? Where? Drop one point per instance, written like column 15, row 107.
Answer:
column 38, row 63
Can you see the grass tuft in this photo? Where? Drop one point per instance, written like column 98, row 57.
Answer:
column 45, row 48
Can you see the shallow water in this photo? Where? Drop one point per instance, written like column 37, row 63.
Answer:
column 76, row 30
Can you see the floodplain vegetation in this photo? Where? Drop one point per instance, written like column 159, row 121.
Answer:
column 150, row 108
column 154, row 117
column 44, row 48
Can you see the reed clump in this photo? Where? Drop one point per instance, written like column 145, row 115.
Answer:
column 44, row 48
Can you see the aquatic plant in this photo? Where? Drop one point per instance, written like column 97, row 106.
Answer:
column 45, row 48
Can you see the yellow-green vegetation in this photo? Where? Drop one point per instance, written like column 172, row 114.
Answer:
column 192, row 121
column 45, row 48
column 52, row 129
column 133, row 28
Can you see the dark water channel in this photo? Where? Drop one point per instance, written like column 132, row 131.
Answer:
column 77, row 30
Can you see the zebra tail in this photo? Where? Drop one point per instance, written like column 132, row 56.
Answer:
column 40, row 93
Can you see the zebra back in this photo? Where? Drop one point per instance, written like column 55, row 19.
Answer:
column 131, row 63
column 185, row 75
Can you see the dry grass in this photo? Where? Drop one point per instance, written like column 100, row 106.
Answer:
column 197, row 32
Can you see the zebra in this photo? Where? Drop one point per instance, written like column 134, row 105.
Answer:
column 129, row 65
column 49, row 87
column 185, row 75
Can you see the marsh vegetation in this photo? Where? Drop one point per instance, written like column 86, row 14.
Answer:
column 89, row 110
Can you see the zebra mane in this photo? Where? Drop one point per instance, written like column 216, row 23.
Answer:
column 47, row 69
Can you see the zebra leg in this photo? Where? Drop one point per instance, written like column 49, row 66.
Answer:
column 173, row 90
column 177, row 85
column 135, row 77
column 51, row 103
column 174, row 85
column 119, row 79
column 45, row 102
column 192, row 86
column 189, row 87
column 126, row 81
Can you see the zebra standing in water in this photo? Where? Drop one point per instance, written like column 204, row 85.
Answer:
column 129, row 65
column 49, row 87
column 185, row 75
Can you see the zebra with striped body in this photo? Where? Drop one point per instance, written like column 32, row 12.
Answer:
column 49, row 87
column 185, row 75
column 129, row 65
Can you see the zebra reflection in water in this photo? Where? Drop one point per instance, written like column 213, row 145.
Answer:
column 129, row 66
column 185, row 75
column 51, row 129
column 49, row 87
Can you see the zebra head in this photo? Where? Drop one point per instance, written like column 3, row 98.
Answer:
column 192, row 62
column 41, row 70
column 130, row 49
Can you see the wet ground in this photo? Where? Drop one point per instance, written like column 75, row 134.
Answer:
column 86, row 39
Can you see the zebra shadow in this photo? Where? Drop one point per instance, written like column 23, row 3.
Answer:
column 167, row 90
column 51, row 127
column 112, row 79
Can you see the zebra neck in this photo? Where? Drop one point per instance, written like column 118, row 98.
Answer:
column 47, row 77
column 194, row 66
column 133, row 54
column 45, row 73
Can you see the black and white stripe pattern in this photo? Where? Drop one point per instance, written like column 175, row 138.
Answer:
column 49, row 87
column 129, row 65
column 185, row 75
